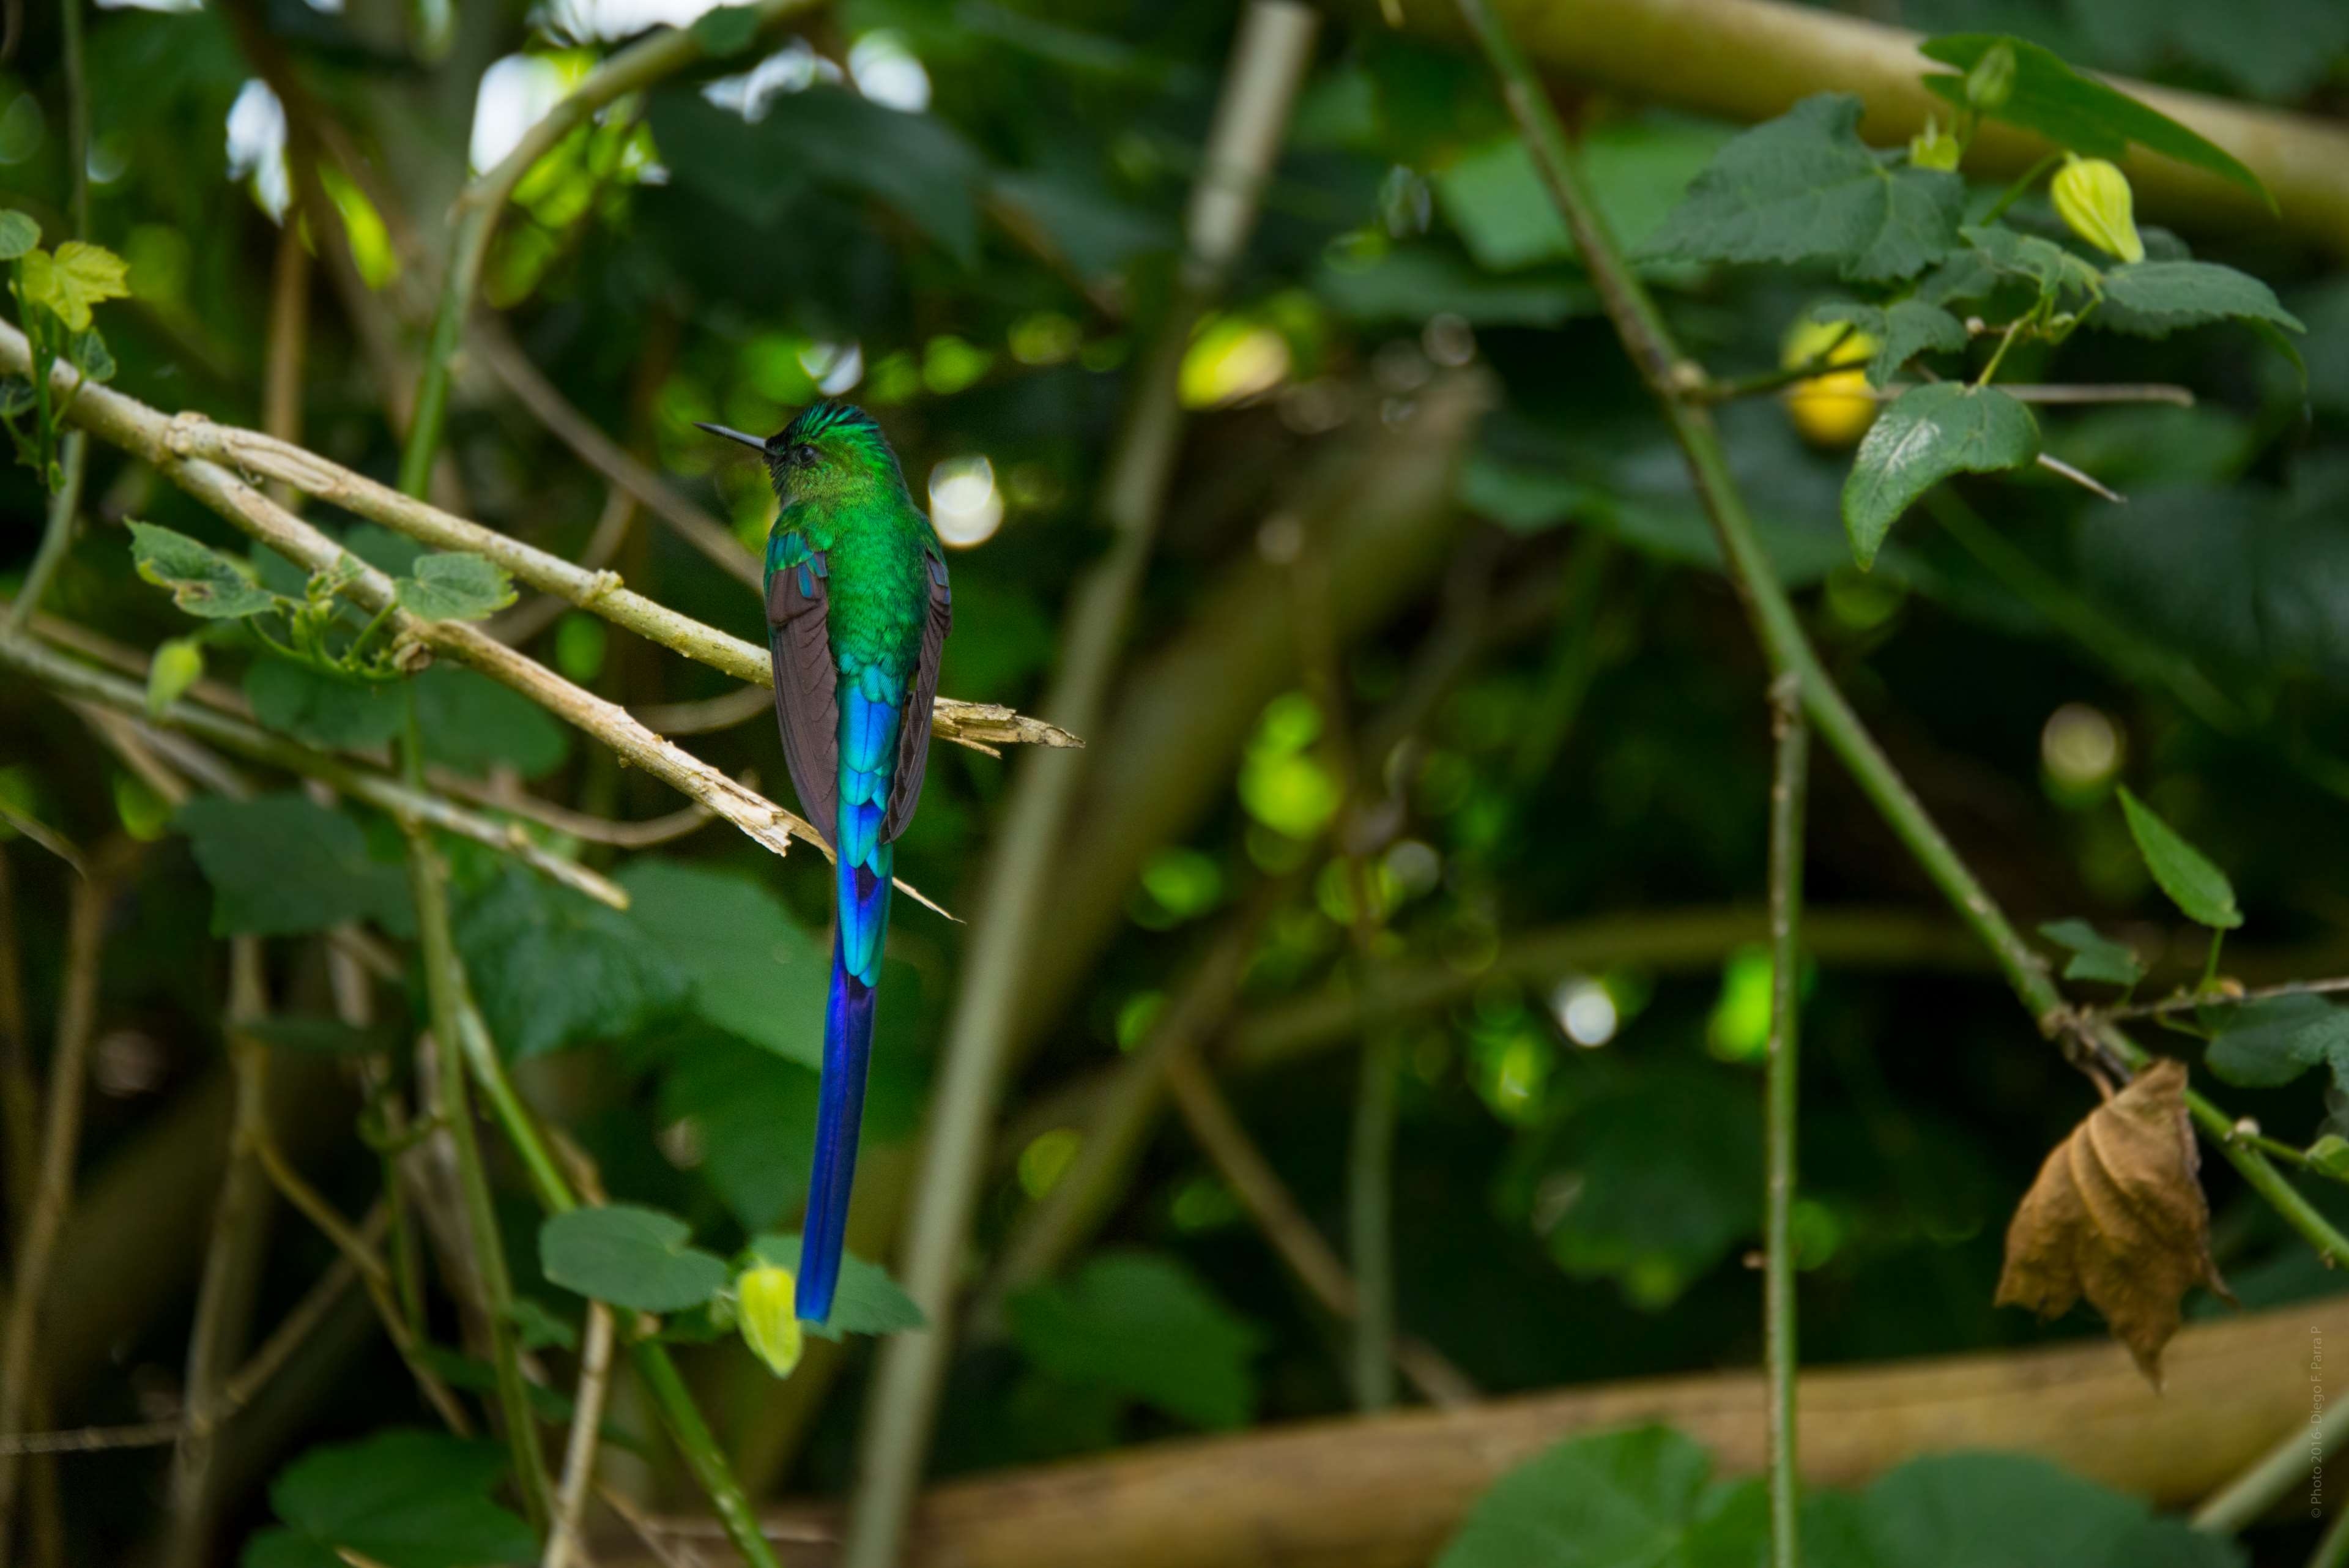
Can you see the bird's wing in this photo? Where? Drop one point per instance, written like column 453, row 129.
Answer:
column 799, row 636
column 913, row 727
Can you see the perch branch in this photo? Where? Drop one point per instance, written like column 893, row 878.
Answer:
column 1789, row 786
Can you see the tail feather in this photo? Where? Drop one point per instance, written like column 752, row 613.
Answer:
column 839, row 1100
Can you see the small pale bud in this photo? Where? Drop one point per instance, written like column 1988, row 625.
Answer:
column 1991, row 81
column 1933, row 148
column 176, row 667
column 769, row 1323
column 2093, row 196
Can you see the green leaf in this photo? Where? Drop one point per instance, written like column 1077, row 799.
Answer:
column 1613, row 1500
column 552, row 967
column 202, row 581
column 281, row 864
column 1969, row 1511
column 456, row 585
column 537, row 1326
column 1804, row 187
column 755, row 971
column 91, row 357
column 1411, row 281
column 322, row 708
column 868, row 1301
column 2264, row 1044
column 2193, row 884
column 1144, row 1326
column 400, row 1498
column 1903, row 330
column 72, row 279
column 630, row 1257
column 1921, row 438
column 1636, row 172
column 2094, row 956
column 473, row 724
column 2043, row 261
column 178, row 664
column 18, row 234
column 754, row 1113
column 726, row 30
column 2330, row 1153
column 825, row 136
column 2156, row 299
column 2076, row 111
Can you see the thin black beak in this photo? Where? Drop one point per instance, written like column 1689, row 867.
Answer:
column 731, row 435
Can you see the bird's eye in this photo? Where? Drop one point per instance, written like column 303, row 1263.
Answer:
column 803, row 455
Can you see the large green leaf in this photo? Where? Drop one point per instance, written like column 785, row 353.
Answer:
column 2277, row 50
column 1636, row 171
column 1144, row 1326
column 914, row 163
column 1804, row 187
column 2273, row 1041
column 2192, row 882
column 1613, row 1500
column 1970, row 1511
column 868, row 1300
column 2155, row 298
column 2076, row 111
column 754, row 1114
column 473, row 723
column 755, row 971
column 552, row 967
column 1927, row 434
column 630, row 1257
column 327, row 709
column 202, row 581
column 281, row 864
column 73, row 278
column 400, row 1498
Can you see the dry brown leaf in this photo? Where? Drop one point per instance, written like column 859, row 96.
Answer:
column 2117, row 1215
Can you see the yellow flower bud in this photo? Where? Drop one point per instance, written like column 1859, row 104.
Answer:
column 1933, row 148
column 769, row 1323
column 1991, row 81
column 2093, row 196
column 1833, row 409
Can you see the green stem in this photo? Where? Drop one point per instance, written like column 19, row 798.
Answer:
column 1998, row 355
column 1819, row 363
column 2211, row 965
column 1650, row 345
column 2333, row 1550
column 444, row 986
column 469, row 243
column 2251, row 1494
column 654, row 1366
column 1788, row 788
column 2022, row 187
column 57, row 540
column 1369, row 1219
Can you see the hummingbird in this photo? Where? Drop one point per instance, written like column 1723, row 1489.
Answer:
column 857, row 614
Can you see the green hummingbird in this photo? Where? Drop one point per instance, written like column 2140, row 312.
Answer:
column 857, row 614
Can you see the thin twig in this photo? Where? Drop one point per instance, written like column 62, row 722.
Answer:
column 1642, row 330
column 233, row 1260
column 2296, row 1456
column 444, row 982
column 74, row 679
column 92, row 899
column 1268, row 1200
column 2190, row 1002
column 526, row 620
column 1269, row 61
column 2087, row 482
column 599, row 451
column 583, row 825
column 1788, row 791
column 739, row 706
column 587, row 1426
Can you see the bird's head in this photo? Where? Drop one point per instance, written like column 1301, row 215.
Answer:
column 830, row 452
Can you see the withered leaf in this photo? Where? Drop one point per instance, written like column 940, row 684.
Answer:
column 2117, row 1215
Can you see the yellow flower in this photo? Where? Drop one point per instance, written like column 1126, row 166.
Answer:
column 1833, row 409
column 1933, row 148
column 2093, row 196
column 769, row 1324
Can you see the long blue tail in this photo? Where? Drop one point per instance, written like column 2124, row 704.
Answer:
column 864, row 900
